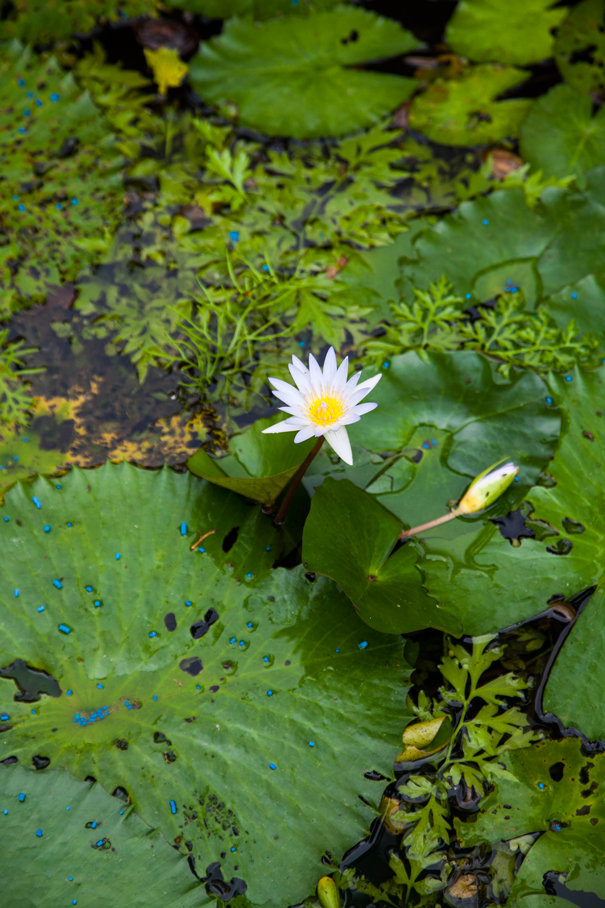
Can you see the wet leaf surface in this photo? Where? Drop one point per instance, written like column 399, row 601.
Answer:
column 282, row 677
column 64, row 839
column 555, row 790
column 309, row 65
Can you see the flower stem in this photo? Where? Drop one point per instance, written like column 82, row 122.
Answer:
column 427, row 526
column 285, row 505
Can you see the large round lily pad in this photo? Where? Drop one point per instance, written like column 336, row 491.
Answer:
column 63, row 841
column 300, row 80
column 242, row 722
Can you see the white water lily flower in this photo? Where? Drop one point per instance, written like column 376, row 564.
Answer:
column 486, row 487
column 323, row 403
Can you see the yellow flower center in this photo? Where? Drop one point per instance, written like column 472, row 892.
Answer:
column 325, row 410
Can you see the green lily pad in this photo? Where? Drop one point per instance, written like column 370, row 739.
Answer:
column 583, row 301
column 234, row 721
column 554, row 790
column 385, row 587
column 560, row 136
column 483, row 31
column 263, row 69
column 564, row 558
column 580, row 47
column 260, row 466
column 443, row 418
column 464, row 110
column 67, row 841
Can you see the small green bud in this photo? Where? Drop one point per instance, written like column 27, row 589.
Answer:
column 487, row 487
column 328, row 893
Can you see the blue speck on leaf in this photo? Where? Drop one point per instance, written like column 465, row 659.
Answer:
column 21, row 797
column 574, row 295
column 6, row 519
column 272, row 766
column 16, row 592
column 568, row 378
column 269, row 693
column 153, row 633
column 363, row 644
column 485, row 222
column 183, row 529
column 58, row 584
column 234, row 235
column 173, row 807
column 47, row 528
column 39, row 833
column 88, row 589
column 40, row 608
column 118, row 556
column 54, row 96
column 65, row 629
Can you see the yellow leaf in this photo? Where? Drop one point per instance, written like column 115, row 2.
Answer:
column 168, row 68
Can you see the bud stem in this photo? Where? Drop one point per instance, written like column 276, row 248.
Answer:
column 285, row 505
column 428, row 526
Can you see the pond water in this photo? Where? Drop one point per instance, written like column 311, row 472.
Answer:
column 237, row 665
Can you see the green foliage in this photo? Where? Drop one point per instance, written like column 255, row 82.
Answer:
column 286, row 81
column 23, row 456
column 463, row 109
column 555, row 790
column 69, row 860
column 479, row 30
column 60, row 191
column 213, row 714
column 438, row 422
column 474, row 751
column 580, row 47
column 561, row 136
column 15, row 397
column 506, row 331
column 47, row 21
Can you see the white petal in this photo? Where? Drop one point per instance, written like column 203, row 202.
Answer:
column 295, row 411
column 298, row 364
column 301, row 378
column 289, row 394
column 304, row 435
column 315, row 374
column 350, row 418
column 329, row 373
column 341, row 375
column 285, row 426
column 360, row 409
column 352, row 382
column 362, row 391
column 339, row 441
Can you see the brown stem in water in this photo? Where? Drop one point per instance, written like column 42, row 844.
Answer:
column 427, row 526
column 284, row 506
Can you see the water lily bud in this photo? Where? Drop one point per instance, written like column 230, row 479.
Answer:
column 327, row 893
column 486, row 487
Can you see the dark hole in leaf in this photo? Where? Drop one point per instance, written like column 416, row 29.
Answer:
column 311, row 577
column 512, row 526
column 121, row 744
column 583, row 811
column 214, row 688
column 170, row 621
column 585, row 773
column 572, row 526
column 9, row 761
column 121, row 794
column 594, row 821
column 192, row 665
column 217, row 885
column 556, row 771
column 160, row 738
column 374, row 776
column 588, row 791
column 32, row 682
column 351, row 37
column 40, row 762
column 230, row 539
column 90, row 779
column 170, row 756
column 199, row 628
column 5, row 728
column 560, row 547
